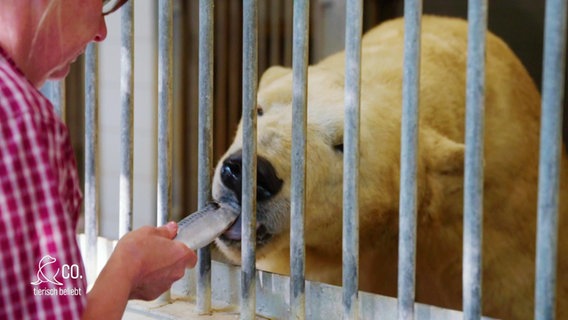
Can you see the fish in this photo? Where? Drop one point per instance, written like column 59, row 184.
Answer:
column 203, row 226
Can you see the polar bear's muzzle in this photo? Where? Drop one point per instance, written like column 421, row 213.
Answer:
column 268, row 185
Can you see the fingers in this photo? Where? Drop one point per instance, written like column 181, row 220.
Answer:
column 169, row 230
column 158, row 281
column 176, row 249
column 177, row 271
column 189, row 257
column 157, row 260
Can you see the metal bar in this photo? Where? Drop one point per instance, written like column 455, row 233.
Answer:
column 473, row 176
column 409, row 159
column 127, row 115
column 47, row 91
column 273, row 300
column 55, row 92
column 205, row 146
column 165, row 77
column 353, row 34
column 91, row 146
column 550, row 152
column 250, row 80
column 298, row 183
column 59, row 101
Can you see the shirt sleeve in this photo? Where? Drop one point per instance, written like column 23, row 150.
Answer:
column 41, row 269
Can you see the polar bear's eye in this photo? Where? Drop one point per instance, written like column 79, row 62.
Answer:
column 338, row 147
column 259, row 111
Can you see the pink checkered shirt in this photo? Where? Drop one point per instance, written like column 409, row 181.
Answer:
column 41, row 270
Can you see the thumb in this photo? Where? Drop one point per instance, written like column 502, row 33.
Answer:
column 169, row 230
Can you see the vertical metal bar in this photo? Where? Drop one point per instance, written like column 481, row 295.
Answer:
column 47, row 91
column 409, row 159
column 127, row 114
column 299, row 134
column 165, row 76
column 250, row 79
column 60, row 101
column 353, row 34
column 91, row 146
column 55, row 92
column 205, row 146
column 550, row 151
column 473, row 176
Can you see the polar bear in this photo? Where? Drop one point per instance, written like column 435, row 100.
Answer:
column 512, row 116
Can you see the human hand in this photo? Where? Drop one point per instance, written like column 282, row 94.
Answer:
column 152, row 260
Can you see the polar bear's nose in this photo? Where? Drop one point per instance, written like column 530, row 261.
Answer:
column 268, row 183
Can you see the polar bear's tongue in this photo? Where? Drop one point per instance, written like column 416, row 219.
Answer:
column 234, row 231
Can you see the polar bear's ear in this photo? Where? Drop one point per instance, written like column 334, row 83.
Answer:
column 272, row 74
column 443, row 155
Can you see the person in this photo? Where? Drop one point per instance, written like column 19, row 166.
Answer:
column 41, row 269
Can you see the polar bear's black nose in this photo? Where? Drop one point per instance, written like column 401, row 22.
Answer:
column 268, row 183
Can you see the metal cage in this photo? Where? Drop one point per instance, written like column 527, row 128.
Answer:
column 249, row 292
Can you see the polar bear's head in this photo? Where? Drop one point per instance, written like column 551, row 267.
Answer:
column 379, row 165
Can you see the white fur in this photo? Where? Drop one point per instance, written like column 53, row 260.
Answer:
column 512, row 115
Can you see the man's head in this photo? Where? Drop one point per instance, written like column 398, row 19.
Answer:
column 45, row 36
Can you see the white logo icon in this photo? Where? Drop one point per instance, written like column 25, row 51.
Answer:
column 41, row 277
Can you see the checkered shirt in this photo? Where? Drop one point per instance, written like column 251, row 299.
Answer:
column 41, row 270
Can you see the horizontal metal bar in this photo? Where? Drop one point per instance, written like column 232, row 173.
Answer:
column 272, row 299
